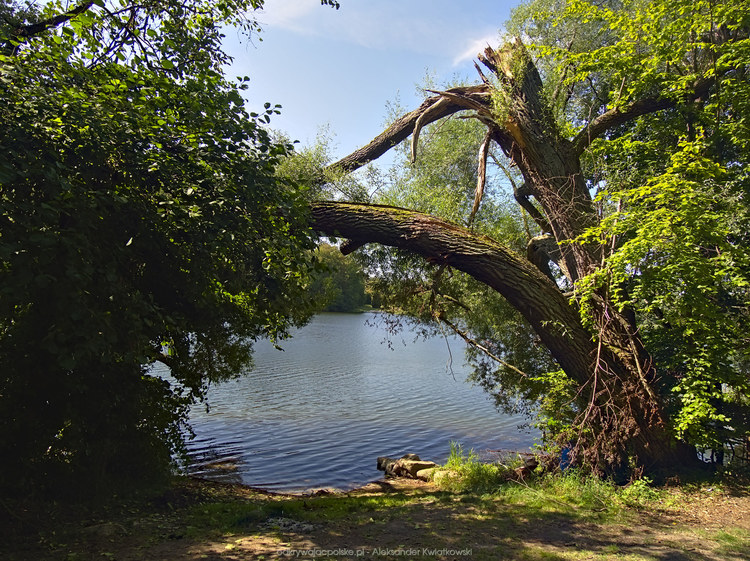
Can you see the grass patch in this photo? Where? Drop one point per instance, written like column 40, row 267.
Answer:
column 735, row 540
column 573, row 493
column 232, row 516
column 465, row 473
column 569, row 492
column 567, row 516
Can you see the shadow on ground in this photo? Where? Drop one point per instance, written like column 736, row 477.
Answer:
column 382, row 521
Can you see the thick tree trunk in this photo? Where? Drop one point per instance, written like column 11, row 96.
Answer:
column 621, row 414
column 624, row 406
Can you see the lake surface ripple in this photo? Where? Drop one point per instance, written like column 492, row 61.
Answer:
column 319, row 413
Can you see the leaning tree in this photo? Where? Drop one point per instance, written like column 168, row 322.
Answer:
column 671, row 59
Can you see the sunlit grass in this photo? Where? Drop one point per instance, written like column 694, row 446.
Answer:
column 572, row 491
column 735, row 540
column 464, row 472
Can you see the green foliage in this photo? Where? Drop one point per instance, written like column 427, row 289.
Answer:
column 675, row 197
column 681, row 260
column 576, row 489
column 307, row 166
column 672, row 187
column 340, row 284
column 660, row 45
column 467, row 474
column 639, row 493
column 555, row 39
column 142, row 221
column 555, row 395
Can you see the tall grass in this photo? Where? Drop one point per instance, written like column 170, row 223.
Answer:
column 465, row 473
column 572, row 490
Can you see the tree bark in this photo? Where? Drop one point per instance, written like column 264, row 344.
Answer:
column 431, row 110
column 621, row 414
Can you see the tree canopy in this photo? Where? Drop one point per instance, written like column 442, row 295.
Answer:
column 339, row 285
column 141, row 221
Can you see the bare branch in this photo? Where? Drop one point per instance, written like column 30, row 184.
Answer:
column 474, row 343
column 423, row 119
column 404, row 126
column 481, row 74
column 28, row 31
column 484, row 151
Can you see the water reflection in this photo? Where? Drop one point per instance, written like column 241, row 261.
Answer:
column 320, row 412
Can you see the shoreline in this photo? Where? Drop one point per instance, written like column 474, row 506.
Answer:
column 389, row 484
column 486, row 456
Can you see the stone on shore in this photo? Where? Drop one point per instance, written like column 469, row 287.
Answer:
column 409, row 465
column 410, row 468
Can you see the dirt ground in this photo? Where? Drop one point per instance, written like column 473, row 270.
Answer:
column 398, row 519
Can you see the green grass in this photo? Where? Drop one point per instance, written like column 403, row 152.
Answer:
column 735, row 540
column 572, row 491
column 567, row 516
column 230, row 516
column 465, row 473
column 475, row 486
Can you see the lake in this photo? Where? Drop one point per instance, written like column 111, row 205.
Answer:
column 342, row 393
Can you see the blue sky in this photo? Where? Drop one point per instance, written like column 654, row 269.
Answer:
column 339, row 68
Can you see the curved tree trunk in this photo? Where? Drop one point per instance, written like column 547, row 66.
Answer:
column 626, row 420
column 527, row 289
column 623, row 416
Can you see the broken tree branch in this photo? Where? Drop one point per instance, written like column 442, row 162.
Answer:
column 400, row 129
column 484, row 151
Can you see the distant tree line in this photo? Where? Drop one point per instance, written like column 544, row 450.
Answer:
column 340, row 283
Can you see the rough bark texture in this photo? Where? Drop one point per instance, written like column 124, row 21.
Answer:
column 621, row 415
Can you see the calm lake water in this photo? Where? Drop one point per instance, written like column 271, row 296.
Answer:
column 319, row 413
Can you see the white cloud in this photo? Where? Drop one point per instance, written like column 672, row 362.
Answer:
column 472, row 47
column 418, row 26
